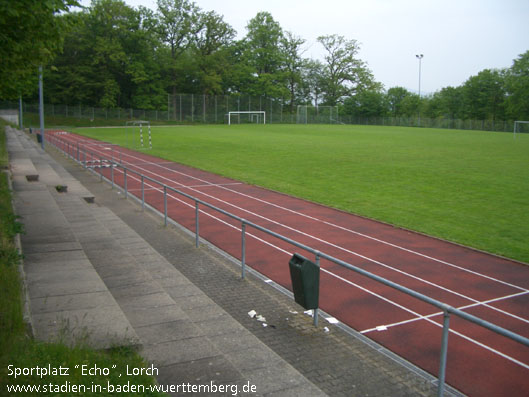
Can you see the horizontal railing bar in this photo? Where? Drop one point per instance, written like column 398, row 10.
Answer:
column 443, row 306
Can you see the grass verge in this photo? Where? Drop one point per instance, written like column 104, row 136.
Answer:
column 17, row 350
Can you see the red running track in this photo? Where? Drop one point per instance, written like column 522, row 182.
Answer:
column 480, row 362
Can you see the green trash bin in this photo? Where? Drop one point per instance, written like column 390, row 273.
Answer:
column 305, row 276
column 39, row 138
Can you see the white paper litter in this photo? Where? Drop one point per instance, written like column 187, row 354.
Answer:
column 326, row 329
column 252, row 313
column 260, row 318
column 308, row 312
column 382, row 328
column 332, row 320
column 265, row 325
column 293, row 311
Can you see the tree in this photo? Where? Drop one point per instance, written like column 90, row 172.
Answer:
column 178, row 24
column 30, row 35
column 345, row 74
column 210, row 51
column 446, row 103
column 517, row 87
column 108, row 59
column 366, row 104
column 410, row 105
column 313, row 81
column 395, row 97
column 263, row 53
column 484, row 95
column 291, row 45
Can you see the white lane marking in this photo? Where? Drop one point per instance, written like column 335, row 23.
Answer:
column 411, row 320
column 362, row 288
column 325, row 222
column 313, row 237
column 330, row 244
column 426, row 318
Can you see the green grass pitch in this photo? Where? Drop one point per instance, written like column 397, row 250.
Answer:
column 470, row 187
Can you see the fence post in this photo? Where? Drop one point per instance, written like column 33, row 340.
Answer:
column 315, row 312
column 197, row 231
column 112, row 172
column 444, row 350
column 125, row 181
column 243, row 249
column 142, row 193
column 100, row 169
column 165, row 205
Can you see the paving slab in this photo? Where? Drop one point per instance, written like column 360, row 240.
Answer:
column 102, row 327
column 88, row 300
column 148, row 316
column 67, row 298
column 200, row 293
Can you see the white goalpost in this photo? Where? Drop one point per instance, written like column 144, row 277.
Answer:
column 140, row 123
column 519, row 126
column 308, row 114
column 254, row 116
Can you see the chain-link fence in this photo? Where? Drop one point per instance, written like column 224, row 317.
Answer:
column 213, row 109
column 440, row 122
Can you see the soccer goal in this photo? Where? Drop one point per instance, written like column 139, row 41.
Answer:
column 135, row 131
column 521, row 127
column 257, row 116
column 308, row 114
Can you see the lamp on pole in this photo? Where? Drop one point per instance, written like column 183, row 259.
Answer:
column 41, row 108
column 419, row 57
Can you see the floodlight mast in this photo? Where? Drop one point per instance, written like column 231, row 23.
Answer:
column 419, row 57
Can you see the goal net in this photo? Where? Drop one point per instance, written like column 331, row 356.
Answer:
column 239, row 117
column 521, row 127
column 138, row 134
column 308, row 114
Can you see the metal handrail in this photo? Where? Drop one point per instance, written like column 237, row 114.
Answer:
column 447, row 309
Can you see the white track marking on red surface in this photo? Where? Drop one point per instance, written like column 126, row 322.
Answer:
column 411, row 320
column 314, row 237
column 319, row 220
column 207, row 183
column 426, row 318
column 333, row 274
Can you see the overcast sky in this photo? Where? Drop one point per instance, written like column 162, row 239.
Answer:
column 458, row 38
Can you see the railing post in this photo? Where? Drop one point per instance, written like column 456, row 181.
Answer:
column 125, row 181
column 100, row 169
column 165, row 205
column 197, row 231
column 112, row 172
column 315, row 312
column 444, row 350
column 243, row 249
column 77, row 151
column 142, row 193
column 84, row 155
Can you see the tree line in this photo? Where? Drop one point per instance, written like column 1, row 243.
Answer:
column 113, row 55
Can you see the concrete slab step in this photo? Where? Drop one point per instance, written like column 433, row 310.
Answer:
column 28, row 159
column 180, row 329
column 68, row 300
